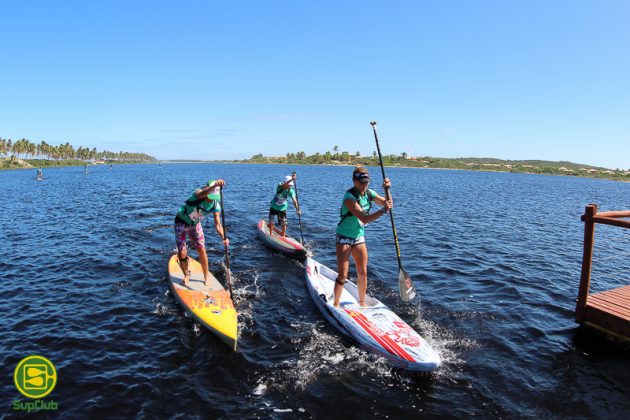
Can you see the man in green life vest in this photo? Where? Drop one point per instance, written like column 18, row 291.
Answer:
column 355, row 214
column 203, row 201
column 280, row 204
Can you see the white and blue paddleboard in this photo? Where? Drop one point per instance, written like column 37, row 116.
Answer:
column 374, row 327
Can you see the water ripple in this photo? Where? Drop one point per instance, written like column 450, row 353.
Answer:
column 495, row 258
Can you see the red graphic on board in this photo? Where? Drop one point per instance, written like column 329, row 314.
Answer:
column 383, row 339
column 404, row 335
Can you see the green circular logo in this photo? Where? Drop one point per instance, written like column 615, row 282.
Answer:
column 35, row 377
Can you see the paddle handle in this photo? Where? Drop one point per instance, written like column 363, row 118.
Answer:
column 387, row 194
column 227, row 255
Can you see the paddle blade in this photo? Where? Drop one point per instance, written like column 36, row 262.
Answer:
column 407, row 290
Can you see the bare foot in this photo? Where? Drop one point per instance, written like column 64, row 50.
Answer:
column 362, row 304
column 185, row 280
column 207, row 283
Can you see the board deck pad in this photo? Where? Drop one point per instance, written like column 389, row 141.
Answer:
column 210, row 305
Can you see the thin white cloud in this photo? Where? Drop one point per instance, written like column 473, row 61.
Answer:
column 261, row 117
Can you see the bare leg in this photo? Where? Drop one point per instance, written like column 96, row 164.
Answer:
column 271, row 229
column 343, row 262
column 183, row 263
column 203, row 260
column 360, row 256
column 284, row 230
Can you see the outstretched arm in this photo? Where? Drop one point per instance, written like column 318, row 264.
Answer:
column 219, row 228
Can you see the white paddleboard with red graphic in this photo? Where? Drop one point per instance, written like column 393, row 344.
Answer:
column 375, row 326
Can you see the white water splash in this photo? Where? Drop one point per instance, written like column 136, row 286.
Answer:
column 326, row 353
column 163, row 310
column 446, row 343
column 282, row 410
column 260, row 389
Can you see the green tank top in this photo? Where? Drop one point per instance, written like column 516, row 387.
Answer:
column 194, row 210
column 349, row 225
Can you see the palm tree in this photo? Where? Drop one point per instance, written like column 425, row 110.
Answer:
column 32, row 149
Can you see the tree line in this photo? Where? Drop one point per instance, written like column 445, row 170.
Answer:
column 25, row 149
column 335, row 157
column 332, row 157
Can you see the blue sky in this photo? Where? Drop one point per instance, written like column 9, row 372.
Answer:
column 226, row 80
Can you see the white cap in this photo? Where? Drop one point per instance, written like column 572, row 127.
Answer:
column 287, row 179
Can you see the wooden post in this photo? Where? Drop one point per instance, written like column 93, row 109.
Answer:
column 587, row 259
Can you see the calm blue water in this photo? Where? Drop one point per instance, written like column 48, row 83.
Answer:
column 495, row 258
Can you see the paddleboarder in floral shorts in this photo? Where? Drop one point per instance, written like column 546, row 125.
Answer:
column 355, row 214
column 279, row 204
column 203, row 201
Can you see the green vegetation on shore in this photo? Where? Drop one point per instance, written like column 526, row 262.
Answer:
column 474, row 164
column 24, row 154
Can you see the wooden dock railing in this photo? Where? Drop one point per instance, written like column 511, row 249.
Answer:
column 590, row 219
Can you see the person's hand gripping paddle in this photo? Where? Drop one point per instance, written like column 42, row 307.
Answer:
column 405, row 285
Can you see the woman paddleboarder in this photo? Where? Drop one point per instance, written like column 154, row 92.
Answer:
column 354, row 214
column 279, row 204
column 203, row 201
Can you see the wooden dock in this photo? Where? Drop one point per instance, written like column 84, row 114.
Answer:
column 607, row 311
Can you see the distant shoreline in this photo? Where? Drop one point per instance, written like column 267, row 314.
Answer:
column 10, row 163
column 624, row 178
column 601, row 173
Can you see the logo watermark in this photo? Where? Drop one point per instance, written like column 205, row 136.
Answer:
column 35, row 377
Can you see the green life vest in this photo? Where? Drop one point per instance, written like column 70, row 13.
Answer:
column 349, row 225
column 280, row 200
column 194, row 210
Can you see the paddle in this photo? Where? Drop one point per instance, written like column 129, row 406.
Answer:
column 227, row 256
column 299, row 207
column 405, row 285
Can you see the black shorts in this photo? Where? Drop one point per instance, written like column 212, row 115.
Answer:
column 282, row 216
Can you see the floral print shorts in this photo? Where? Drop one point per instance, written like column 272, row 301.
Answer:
column 194, row 233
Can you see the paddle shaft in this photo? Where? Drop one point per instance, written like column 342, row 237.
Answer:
column 227, row 255
column 387, row 196
column 298, row 211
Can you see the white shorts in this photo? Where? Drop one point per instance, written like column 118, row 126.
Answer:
column 344, row 240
